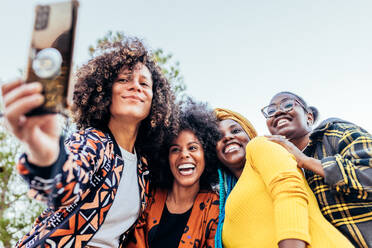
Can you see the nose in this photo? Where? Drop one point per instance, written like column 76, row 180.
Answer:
column 227, row 136
column 135, row 85
column 185, row 153
column 279, row 112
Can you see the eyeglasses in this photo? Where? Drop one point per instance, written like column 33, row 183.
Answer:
column 284, row 105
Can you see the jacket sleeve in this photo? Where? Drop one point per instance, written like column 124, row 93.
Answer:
column 212, row 222
column 286, row 186
column 138, row 237
column 349, row 171
column 67, row 181
column 150, row 217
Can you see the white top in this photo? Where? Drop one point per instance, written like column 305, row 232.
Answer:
column 125, row 209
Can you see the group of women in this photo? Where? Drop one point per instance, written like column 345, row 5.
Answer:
column 145, row 171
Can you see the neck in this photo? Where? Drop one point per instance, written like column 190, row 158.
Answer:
column 180, row 199
column 301, row 142
column 237, row 170
column 124, row 133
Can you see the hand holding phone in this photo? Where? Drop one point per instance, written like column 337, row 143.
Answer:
column 51, row 52
column 39, row 134
column 49, row 64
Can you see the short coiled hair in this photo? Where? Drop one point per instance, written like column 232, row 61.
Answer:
column 311, row 109
column 199, row 119
column 93, row 91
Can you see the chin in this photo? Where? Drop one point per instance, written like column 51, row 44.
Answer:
column 284, row 131
column 134, row 115
column 234, row 161
column 187, row 183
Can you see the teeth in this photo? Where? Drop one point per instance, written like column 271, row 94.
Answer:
column 231, row 148
column 186, row 169
column 186, row 172
column 282, row 122
column 186, row 166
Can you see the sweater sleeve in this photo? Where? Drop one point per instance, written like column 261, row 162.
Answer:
column 68, row 179
column 349, row 170
column 286, row 186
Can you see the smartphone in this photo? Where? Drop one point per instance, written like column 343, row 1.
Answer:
column 51, row 52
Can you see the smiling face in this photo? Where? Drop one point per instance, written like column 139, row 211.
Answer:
column 186, row 159
column 132, row 94
column 231, row 147
column 293, row 124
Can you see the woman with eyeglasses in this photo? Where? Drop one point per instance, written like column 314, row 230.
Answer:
column 336, row 158
column 264, row 198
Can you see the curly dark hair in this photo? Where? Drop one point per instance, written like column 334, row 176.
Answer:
column 93, row 91
column 200, row 119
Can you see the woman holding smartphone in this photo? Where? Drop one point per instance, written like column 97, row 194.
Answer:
column 94, row 182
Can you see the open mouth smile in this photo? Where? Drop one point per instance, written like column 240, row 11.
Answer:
column 232, row 147
column 282, row 121
column 186, row 169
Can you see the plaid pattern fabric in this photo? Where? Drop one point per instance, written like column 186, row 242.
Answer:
column 345, row 193
column 79, row 190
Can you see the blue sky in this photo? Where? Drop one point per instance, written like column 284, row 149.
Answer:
column 233, row 54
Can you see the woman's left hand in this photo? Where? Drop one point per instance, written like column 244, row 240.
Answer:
column 281, row 140
column 303, row 161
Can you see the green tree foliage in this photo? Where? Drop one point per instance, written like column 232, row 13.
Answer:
column 171, row 68
column 17, row 211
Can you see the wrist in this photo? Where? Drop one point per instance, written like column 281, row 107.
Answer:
column 303, row 161
column 313, row 165
column 44, row 157
column 50, row 170
column 292, row 243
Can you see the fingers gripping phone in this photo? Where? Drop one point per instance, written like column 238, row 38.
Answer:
column 51, row 52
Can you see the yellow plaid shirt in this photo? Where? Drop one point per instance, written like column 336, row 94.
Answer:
column 345, row 193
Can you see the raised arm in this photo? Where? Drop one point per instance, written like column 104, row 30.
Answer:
column 56, row 174
column 70, row 178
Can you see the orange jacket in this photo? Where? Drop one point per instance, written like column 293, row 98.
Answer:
column 199, row 230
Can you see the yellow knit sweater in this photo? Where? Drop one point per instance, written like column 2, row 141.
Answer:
column 272, row 202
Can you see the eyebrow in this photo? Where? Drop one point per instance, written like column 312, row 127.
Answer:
column 145, row 77
column 191, row 142
column 234, row 125
column 194, row 142
column 286, row 98
column 124, row 75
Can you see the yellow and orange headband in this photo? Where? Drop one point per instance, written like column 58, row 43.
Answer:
column 223, row 114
